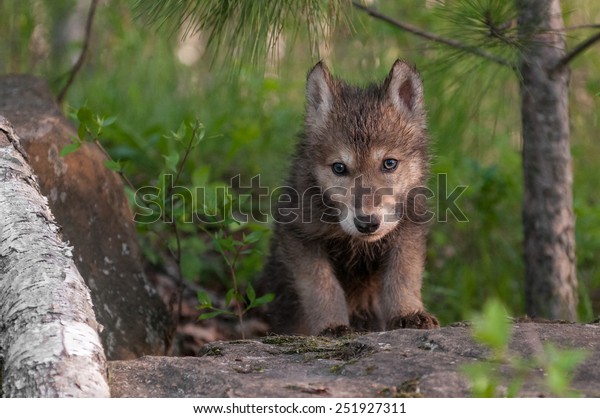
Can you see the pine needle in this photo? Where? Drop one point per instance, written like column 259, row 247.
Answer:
column 245, row 31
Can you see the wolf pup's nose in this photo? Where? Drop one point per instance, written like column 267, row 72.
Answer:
column 366, row 224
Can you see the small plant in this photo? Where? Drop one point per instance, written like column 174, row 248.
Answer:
column 211, row 214
column 163, row 209
column 90, row 129
column 492, row 328
column 231, row 249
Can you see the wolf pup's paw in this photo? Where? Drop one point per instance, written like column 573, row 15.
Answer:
column 419, row 320
column 335, row 331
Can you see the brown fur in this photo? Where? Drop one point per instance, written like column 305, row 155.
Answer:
column 328, row 274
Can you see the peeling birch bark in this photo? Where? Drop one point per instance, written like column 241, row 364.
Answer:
column 49, row 342
column 89, row 202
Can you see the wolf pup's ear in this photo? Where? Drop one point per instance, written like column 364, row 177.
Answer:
column 319, row 96
column 405, row 89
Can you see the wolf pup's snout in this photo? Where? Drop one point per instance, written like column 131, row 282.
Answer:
column 350, row 251
column 367, row 224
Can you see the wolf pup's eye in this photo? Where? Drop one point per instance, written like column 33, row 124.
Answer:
column 339, row 169
column 390, row 164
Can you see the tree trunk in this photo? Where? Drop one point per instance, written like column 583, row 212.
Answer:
column 49, row 342
column 89, row 202
column 551, row 283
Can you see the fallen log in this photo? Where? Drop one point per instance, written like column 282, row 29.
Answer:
column 49, row 337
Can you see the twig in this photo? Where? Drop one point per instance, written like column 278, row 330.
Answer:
column 86, row 44
column 432, row 36
column 110, row 158
column 588, row 26
column 177, row 254
column 236, row 290
column 180, row 280
column 576, row 51
column 188, row 149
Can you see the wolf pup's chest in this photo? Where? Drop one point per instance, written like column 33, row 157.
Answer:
column 357, row 266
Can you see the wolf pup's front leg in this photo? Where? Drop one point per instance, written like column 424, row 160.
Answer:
column 321, row 303
column 401, row 290
column 321, row 296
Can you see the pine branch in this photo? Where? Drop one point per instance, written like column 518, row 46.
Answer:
column 86, row 44
column 453, row 43
column 243, row 30
column 576, row 51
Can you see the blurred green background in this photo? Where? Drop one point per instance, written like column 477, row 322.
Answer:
column 151, row 81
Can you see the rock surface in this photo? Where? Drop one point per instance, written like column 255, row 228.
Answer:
column 395, row 363
column 89, row 203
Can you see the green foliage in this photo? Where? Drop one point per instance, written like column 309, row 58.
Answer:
column 179, row 224
column 492, row 328
column 89, row 129
column 483, row 379
column 559, row 366
column 231, row 249
column 215, row 219
column 485, row 24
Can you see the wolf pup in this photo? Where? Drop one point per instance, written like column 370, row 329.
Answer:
column 348, row 245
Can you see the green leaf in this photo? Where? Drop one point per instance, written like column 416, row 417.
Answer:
column 199, row 131
column 226, row 244
column 85, row 115
column 266, row 298
column 108, row 121
column 250, row 293
column 82, row 131
column 229, row 296
column 209, row 315
column 253, row 237
column 559, row 366
column 203, row 298
column 68, row 149
column 483, row 379
column 492, row 327
column 181, row 131
column 113, row 165
column 227, row 206
column 171, row 161
column 210, row 200
column 514, row 386
column 73, row 113
column 97, row 125
column 260, row 301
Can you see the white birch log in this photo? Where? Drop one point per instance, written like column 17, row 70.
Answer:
column 49, row 342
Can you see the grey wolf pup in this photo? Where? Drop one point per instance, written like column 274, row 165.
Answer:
column 348, row 244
